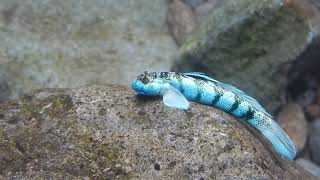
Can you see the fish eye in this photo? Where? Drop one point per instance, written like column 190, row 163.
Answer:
column 145, row 80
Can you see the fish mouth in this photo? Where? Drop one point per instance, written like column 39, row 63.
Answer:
column 138, row 88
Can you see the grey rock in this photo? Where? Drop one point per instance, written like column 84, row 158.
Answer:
column 194, row 3
column 250, row 44
column 206, row 8
column 181, row 20
column 58, row 43
column 309, row 166
column 314, row 141
column 108, row 132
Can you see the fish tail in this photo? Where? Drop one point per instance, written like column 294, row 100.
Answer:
column 278, row 138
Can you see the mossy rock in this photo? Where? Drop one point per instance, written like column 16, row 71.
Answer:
column 250, row 44
column 109, row 132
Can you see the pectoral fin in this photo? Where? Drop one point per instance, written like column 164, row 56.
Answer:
column 173, row 98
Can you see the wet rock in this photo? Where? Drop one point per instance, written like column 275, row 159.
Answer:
column 314, row 141
column 194, row 3
column 313, row 111
column 60, row 43
column 309, row 166
column 108, row 132
column 180, row 20
column 249, row 44
column 292, row 120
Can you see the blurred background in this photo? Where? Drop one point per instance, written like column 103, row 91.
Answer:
column 270, row 49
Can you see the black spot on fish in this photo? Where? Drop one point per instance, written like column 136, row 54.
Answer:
column 154, row 75
column 235, row 106
column 199, row 84
column 198, row 97
column 164, row 75
column 216, row 99
column 180, row 83
column 181, row 89
column 248, row 115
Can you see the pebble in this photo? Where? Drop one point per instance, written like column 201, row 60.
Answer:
column 181, row 21
column 307, row 98
column 314, row 141
column 309, row 166
column 313, row 111
column 294, row 123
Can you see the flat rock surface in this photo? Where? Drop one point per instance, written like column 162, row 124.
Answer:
column 108, row 132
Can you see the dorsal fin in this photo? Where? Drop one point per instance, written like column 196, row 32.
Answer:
column 200, row 75
column 229, row 87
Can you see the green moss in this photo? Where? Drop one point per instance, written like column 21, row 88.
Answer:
column 140, row 117
column 248, row 46
column 31, row 143
column 95, row 30
column 9, row 154
column 102, row 112
column 60, row 105
column 236, row 136
column 54, row 106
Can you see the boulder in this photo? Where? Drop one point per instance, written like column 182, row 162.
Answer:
column 64, row 44
column 251, row 44
column 109, row 132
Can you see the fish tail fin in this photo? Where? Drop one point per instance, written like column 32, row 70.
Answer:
column 278, row 138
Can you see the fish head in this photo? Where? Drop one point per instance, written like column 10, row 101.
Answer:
column 148, row 84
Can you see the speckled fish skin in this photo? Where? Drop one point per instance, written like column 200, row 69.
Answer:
column 214, row 94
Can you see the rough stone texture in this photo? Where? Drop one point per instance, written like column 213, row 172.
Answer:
column 58, row 43
column 250, row 44
column 292, row 120
column 108, row 132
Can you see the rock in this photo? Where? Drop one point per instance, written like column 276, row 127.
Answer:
column 58, row 43
column 313, row 111
column 205, row 9
column 194, row 3
column 318, row 95
column 180, row 20
column 303, row 76
column 108, row 132
column 249, row 44
column 309, row 166
column 292, row 120
column 307, row 98
column 314, row 141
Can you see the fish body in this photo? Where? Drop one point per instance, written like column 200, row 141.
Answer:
column 178, row 88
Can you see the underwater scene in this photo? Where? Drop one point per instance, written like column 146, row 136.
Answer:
column 159, row 89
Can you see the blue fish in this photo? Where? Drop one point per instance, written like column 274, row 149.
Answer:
column 178, row 88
